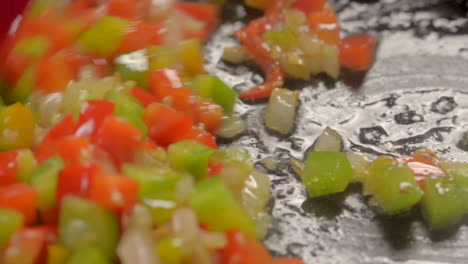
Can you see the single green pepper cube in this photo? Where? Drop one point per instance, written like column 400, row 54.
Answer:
column 326, row 173
column 44, row 180
column 34, row 47
column 129, row 109
column 23, row 87
column 26, row 165
column 442, row 204
column 10, row 222
column 217, row 207
column 394, row 188
column 170, row 250
column 88, row 255
column 209, row 86
column 190, row 156
column 84, row 223
column 134, row 67
column 156, row 189
column 104, row 37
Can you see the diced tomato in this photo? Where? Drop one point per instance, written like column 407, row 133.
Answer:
column 74, row 150
column 209, row 114
column 165, row 124
column 119, row 138
column 8, row 167
column 357, row 52
column 325, row 25
column 241, row 249
column 200, row 136
column 309, row 5
column 54, row 74
column 92, row 116
column 74, row 180
column 47, row 148
column 115, row 192
column 423, row 163
column 140, row 35
column 163, row 81
column 25, row 246
column 144, row 96
column 22, row 198
column 122, row 8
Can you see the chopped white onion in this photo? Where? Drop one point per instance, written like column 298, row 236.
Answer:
column 280, row 113
column 329, row 140
column 231, row 127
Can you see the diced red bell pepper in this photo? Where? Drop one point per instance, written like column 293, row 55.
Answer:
column 54, row 73
column 123, row 8
column 325, row 25
column 119, row 138
column 200, row 136
column 22, row 198
column 163, row 81
column 115, row 192
column 423, row 163
column 207, row 13
column 140, row 35
column 165, row 124
column 26, row 246
column 92, row 116
column 74, row 150
column 182, row 99
column 47, row 148
column 74, row 180
column 241, row 249
column 8, row 167
column 144, row 96
column 357, row 52
column 287, row 261
column 50, row 216
column 214, row 169
column 209, row 114
column 309, row 5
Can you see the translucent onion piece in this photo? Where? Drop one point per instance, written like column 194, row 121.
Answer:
column 231, row 127
column 359, row 163
column 329, row 140
column 269, row 163
column 280, row 113
column 330, row 61
column 235, row 54
column 213, row 240
column 297, row 167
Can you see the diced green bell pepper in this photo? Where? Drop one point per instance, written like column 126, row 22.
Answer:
column 209, row 86
column 44, row 180
column 442, row 204
column 34, row 47
column 156, row 189
column 216, row 207
column 134, row 67
column 326, row 173
column 26, row 165
column 460, row 176
column 10, row 222
column 129, row 109
column 393, row 186
column 84, row 223
column 104, row 37
column 88, row 255
column 170, row 251
column 190, row 156
column 16, row 127
column 23, row 87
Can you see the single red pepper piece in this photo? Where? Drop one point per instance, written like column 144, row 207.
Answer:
column 214, row 169
column 123, row 8
column 203, row 12
column 74, row 150
column 165, row 124
column 47, row 147
column 144, row 96
column 92, row 116
column 26, row 246
column 163, row 81
column 140, row 35
column 198, row 135
column 74, row 180
column 325, row 25
column 22, row 198
column 357, row 52
column 119, row 138
column 54, row 73
column 307, row 6
column 209, row 114
column 113, row 191
column 423, row 163
column 241, row 249
column 8, row 167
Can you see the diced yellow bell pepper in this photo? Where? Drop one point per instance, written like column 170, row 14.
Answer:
column 191, row 55
column 16, row 127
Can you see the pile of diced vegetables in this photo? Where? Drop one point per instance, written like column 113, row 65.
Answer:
column 395, row 184
column 107, row 139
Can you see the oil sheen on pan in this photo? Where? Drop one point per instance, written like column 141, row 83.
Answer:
column 414, row 96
